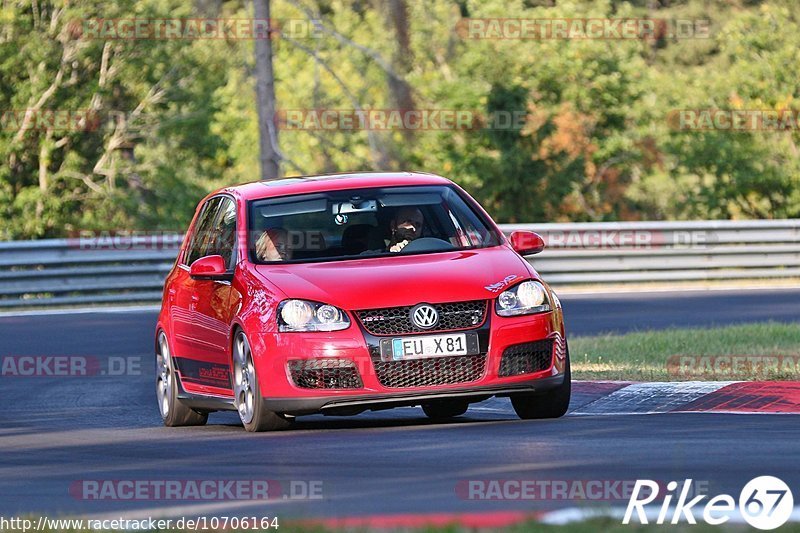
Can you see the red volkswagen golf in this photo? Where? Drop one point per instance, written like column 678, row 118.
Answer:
column 341, row 293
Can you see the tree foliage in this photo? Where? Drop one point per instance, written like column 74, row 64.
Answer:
column 175, row 118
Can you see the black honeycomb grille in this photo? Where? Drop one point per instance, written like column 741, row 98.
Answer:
column 430, row 372
column 325, row 374
column 526, row 358
column 397, row 320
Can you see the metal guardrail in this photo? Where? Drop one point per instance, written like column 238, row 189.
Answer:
column 626, row 252
column 63, row 272
column 68, row 272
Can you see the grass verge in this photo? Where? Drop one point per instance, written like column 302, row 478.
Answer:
column 768, row 350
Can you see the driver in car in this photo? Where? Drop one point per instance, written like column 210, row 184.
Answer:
column 406, row 225
column 272, row 245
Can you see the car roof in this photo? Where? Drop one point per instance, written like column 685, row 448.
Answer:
column 329, row 182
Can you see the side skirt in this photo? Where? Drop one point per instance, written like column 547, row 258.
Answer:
column 203, row 402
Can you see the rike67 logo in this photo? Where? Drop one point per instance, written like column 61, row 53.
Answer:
column 765, row 502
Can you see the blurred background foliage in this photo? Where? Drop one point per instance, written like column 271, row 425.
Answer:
column 179, row 117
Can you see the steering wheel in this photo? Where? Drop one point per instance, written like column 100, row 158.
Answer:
column 427, row 244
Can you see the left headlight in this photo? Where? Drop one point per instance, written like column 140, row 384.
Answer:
column 302, row 315
column 527, row 298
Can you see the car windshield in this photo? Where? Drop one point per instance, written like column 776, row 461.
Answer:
column 364, row 223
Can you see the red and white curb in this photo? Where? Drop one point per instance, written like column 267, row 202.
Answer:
column 615, row 397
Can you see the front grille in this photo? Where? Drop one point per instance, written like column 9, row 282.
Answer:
column 397, row 320
column 431, row 371
column 526, row 358
column 325, row 374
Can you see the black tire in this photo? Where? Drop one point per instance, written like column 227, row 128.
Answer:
column 551, row 404
column 445, row 409
column 174, row 413
column 247, row 391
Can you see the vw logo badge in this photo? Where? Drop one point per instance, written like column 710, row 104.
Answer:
column 424, row 316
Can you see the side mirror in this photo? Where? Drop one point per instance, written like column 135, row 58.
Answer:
column 526, row 242
column 210, row 267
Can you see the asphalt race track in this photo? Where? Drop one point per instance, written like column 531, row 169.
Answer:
column 56, row 433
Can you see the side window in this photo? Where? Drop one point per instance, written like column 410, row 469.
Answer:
column 224, row 231
column 202, row 231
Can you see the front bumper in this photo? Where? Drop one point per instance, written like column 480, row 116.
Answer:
column 272, row 353
column 348, row 405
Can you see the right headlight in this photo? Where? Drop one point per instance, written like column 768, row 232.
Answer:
column 527, row 298
column 303, row 315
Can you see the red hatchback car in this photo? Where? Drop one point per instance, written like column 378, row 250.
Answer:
column 341, row 293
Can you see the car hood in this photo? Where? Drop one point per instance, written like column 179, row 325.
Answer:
column 401, row 280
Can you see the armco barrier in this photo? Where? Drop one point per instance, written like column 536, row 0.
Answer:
column 624, row 252
column 66, row 272
column 61, row 272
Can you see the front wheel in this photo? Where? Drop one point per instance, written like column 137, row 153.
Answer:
column 173, row 412
column 551, row 404
column 247, row 392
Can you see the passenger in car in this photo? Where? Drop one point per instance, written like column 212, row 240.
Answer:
column 272, row 245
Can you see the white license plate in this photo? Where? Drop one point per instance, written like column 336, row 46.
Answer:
column 428, row 346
